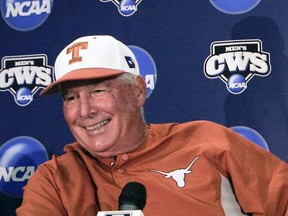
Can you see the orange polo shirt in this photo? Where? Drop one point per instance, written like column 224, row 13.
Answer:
column 186, row 169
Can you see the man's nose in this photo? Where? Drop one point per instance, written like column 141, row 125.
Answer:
column 86, row 107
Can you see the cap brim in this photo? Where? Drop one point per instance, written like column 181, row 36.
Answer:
column 80, row 74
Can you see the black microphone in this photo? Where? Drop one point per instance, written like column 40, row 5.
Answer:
column 131, row 201
column 132, row 197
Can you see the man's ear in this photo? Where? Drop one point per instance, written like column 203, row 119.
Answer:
column 141, row 90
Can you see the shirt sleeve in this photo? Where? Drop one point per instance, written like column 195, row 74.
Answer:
column 41, row 196
column 259, row 178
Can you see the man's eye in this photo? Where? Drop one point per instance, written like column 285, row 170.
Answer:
column 69, row 98
column 100, row 91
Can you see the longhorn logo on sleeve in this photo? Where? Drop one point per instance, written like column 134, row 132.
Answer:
column 178, row 175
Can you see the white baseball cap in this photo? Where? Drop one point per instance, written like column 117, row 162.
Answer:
column 92, row 57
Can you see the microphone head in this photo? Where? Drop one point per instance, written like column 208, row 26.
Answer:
column 132, row 197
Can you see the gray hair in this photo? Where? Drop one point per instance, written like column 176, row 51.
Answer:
column 129, row 78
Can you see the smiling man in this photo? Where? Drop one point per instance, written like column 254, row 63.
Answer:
column 195, row 168
column 103, row 114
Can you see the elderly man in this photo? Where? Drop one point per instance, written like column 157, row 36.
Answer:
column 194, row 168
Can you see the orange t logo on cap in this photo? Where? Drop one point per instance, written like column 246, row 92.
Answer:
column 74, row 49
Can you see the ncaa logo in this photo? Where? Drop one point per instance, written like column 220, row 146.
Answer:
column 147, row 68
column 252, row 135
column 235, row 6
column 236, row 62
column 25, row 15
column 22, row 76
column 19, row 158
column 125, row 7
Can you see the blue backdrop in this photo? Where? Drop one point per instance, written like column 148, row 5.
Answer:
column 179, row 36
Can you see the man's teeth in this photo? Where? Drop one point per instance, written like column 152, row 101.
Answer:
column 98, row 126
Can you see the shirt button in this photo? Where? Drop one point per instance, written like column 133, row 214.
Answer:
column 121, row 171
column 125, row 157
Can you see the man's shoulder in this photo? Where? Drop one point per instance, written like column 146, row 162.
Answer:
column 71, row 156
column 187, row 125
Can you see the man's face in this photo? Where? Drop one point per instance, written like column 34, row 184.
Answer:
column 104, row 115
